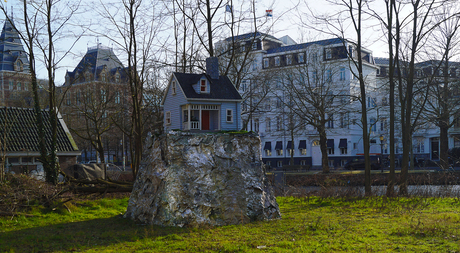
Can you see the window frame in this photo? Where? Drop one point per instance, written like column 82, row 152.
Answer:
column 227, row 115
column 168, row 118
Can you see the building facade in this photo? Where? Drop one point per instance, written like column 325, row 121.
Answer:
column 283, row 82
column 15, row 77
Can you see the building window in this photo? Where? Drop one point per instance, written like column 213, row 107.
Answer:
column 288, row 59
column 117, row 97
column 18, row 86
column 328, row 75
column 342, row 74
column 254, row 45
column 314, row 57
column 268, row 152
column 343, row 151
column 254, row 65
column 168, row 118
column 373, row 125
column 11, row 85
column 331, row 163
column 26, row 86
column 78, row 97
column 300, row 58
column 229, row 115
column 279, row 164
column 68, row 99
column 103, row 77
column 103, row 96
column 378, row 71
column 456, row 141
column 279, row 123
column 420, row 147
column 303, row 151
column 268, row 125
column 328, row 53
column 303, row 162
column 279, row 152
column 383, row 124
column 371, row 102
column 277, row 61
column 256, row 125
column 173, row 88
column 266, row 63
column 315, row 76
column 355, row 145
column 117, row 78
column 330, row 122
column 330, row 151
column 243, row 47
column 203, row 86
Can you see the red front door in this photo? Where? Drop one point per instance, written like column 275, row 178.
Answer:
column 204, row 120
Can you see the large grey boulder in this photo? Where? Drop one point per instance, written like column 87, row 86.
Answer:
column 202, row 179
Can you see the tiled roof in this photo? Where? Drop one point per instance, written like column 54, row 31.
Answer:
column 221, row 88
column 11, row 48
column 95, row 60
column 19, row 131
column 305, row 45
column 381, row 61
column 250, row 36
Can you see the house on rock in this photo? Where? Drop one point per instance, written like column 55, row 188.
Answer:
column 202, row 102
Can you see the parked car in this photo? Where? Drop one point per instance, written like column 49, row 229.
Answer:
column 358, row 163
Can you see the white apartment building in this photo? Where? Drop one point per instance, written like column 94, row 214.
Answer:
column 273, row 74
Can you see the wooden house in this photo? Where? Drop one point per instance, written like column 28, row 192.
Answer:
column 202, row 102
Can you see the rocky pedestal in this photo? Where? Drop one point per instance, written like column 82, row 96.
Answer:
column 202, row 179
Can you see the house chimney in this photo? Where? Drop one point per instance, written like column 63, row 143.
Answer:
column 212, row 67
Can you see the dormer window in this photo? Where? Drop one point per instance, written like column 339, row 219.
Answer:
column 328, row 53
column 173, row 88
column 18, row 66
column 203, row 86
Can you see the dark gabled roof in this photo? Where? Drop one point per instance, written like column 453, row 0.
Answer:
column 250, row 36
column 381, row 61
column 221, row 88
column 305, row 45
column 95, row 60
column 11, row 48
column 19, row 131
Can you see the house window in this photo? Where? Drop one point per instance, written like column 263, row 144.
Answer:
column 420, row 147
column 300, row 58
column 117, row 97
column 266, row 63
column 314, row 57
column 328, row 75
column 279, row 152
column 355, row 145
column 331, row 163
column 378, row 71
column 268, row 152
column 315, row 76
column 456, row 141
column 103, row 96
column 18, row 86
column 254, row 65
column 243, row 47
column 328, row 53
column 373, row 125
column 277, row 61
column 371, row 102
column 343, row 151
column 279, row 123
column 330, row 122
column 229, row 115
column 185, row 113
column 342, row 74
column 173, row 88
column 78, row 98
column 203, row 86
column 168, row 118
column 68, row 99
column 288, row 59
column 279, row 164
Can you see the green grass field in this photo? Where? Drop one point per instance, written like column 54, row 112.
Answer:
column 309, row 224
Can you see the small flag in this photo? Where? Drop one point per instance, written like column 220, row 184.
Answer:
column 228, row 8
column 269, row 13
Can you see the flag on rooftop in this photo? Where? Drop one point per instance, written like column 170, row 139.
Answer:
column 269, row 13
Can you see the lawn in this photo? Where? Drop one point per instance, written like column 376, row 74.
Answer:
column 309, row 224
